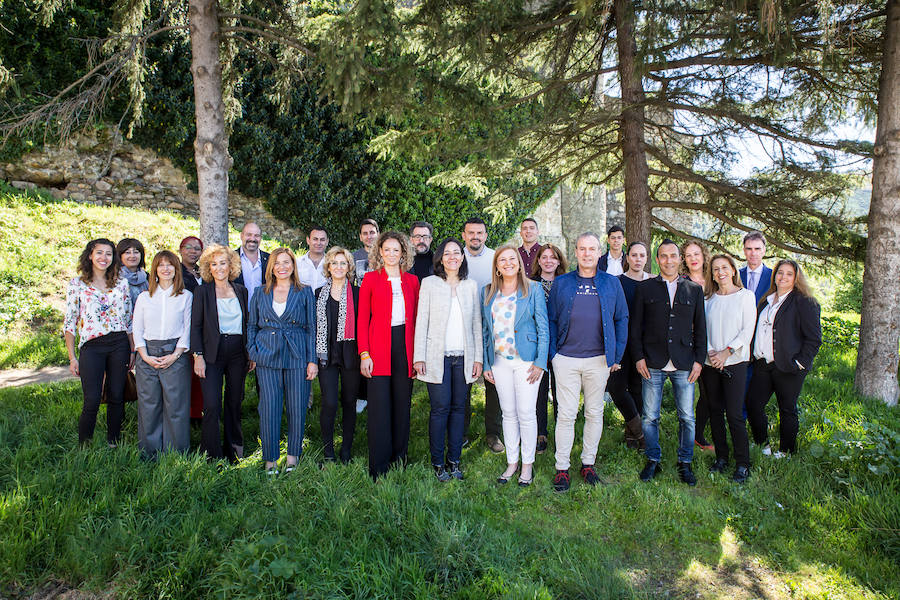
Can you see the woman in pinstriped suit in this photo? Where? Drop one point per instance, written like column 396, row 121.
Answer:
column 281, row 336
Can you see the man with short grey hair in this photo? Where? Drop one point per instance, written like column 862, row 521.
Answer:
column 588, row 319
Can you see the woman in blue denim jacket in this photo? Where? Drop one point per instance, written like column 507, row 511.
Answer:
column 281, row 335
column 516, row 344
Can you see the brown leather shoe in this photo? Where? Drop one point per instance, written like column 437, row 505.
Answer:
column 634, row 434
column 494, row 443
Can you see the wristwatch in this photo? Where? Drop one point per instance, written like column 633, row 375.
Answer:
column 730, row 350
column 197, row 354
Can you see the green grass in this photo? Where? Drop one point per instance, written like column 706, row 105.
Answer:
column 40, row 241
column 823, row 524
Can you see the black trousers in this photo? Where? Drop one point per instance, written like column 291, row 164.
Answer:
column 106, row 356
column 701, row 413
column 338, row 386
column 230, row 366
column 725, row 398
column 492, row 414
column 786, row 387
column 626, row 390
column 389, row 408
column 548, row 382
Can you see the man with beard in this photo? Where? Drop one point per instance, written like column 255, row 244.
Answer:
column 420, row 233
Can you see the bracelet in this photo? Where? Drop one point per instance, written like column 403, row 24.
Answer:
column 364, row 355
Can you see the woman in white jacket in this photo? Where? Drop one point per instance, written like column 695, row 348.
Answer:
column 448, row 352
column 730, row 323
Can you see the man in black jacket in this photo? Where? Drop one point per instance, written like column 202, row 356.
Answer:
column 420, row 233
column 668, row 333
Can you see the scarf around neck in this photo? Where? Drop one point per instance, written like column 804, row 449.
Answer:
column 346, row 325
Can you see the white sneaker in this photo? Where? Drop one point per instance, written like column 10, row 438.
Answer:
column 361, row 406
column 767, row 450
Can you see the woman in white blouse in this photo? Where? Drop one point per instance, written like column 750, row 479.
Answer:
column 98, row 316
column 730, row 322
column 162, row 329
column 448, row 352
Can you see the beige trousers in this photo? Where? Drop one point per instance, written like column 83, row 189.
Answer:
column 573, row 375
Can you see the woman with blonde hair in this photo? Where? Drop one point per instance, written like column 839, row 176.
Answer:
column 98, row 316
column 219, row 345
column 388, row 298
column 781, row 362
column 162, row 331
column 730, row 321
column 516, row 343
column 281, row 337
column 337, row 303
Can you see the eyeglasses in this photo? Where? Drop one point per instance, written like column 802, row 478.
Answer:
column 191, row 248
column 340, row 263
column 421, row 237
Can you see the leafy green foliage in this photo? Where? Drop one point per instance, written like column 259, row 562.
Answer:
column 839, row 332
column 848, row 292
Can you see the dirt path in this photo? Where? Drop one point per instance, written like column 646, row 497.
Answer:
column 18, row 377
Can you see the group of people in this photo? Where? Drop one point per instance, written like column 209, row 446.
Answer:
column 368, row 323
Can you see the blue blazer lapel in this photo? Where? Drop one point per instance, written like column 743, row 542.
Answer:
column 292, row 299
column 521, row 306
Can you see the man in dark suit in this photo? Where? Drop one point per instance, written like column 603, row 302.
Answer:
column 613, row 262
column 756, row 276
column 253, row 260
column 668, row 333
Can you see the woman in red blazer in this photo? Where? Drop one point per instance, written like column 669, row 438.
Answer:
column 387, row 320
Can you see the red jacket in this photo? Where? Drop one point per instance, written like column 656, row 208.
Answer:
column 374, row 322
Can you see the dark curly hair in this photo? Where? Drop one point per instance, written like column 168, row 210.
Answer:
column 86, row 267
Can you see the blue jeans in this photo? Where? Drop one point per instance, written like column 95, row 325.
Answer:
column 684, row 402
column 448, row 411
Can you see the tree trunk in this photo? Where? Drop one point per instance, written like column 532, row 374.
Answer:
column 877, row 360
column 211, row 143
column 636, row 173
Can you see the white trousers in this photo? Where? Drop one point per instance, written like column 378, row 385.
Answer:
column 518, row 403
column 573, row 375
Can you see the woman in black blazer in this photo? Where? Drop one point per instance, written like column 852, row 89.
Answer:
column 788, row 336
column 219, row 345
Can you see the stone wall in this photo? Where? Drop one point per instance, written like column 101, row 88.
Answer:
column 101, row 168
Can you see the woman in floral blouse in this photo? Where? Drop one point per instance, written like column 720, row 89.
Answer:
column 98, row 315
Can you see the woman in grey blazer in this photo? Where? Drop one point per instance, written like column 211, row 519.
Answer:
column 448, row 352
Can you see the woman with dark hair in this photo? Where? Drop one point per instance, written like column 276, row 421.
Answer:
column 787, row 339
column 162, row 331
column 448, row 352
column 281, row 341
column 548, row 264
column 337, row 304
column 190, row 249
column 730, row 321
column 131, row 255
column 98, row 314
column 516, row 344
column 219, row 345
column 695, row 266
column 624, row 385
column 388, row 298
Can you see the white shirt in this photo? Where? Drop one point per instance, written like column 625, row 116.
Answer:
column 753, row 277
column 614, row 265
column 398, row 308
column 672, row 287
column 480, row 266
column 309, row 273
column 730, row 322
column 454, row 342
column 279, row 307
column 162, row 316
column 251, row 272
column 765, row 340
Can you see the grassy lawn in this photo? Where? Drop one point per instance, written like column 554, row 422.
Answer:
column 40, row 241
column 821, row 525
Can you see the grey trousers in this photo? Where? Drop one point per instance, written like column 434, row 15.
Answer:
column 164, row 401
